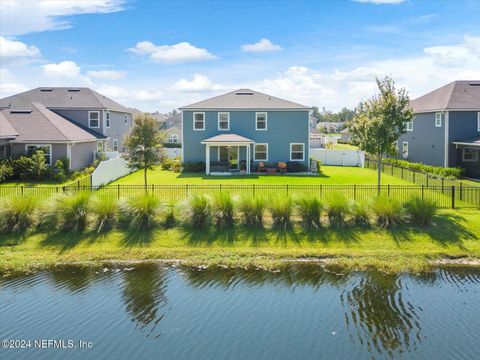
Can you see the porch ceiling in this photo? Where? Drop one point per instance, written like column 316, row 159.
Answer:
column 227, row 139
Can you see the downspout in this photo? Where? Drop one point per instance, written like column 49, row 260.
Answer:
column 69, row 155
column 447, row 130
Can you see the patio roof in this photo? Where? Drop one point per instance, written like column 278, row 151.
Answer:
column 228, row 138
column 472, row 141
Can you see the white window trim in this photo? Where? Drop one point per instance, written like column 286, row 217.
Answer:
column 194, row 114
column 254, row 152
column 478, row 121
column 107, row 119
column 94, row 127
column 228, row 121
column 266, row 120
column 470, row 160
column 115, row 144
column 42, row 145
column 125, row 119
column 409, row 128
column 403, row 151
column 303, row 151
column 438, row 119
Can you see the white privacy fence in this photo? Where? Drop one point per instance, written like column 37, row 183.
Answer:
column 173, row 152
column 110, row 170
column 339, row 157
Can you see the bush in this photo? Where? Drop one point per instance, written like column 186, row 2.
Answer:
column 338, row 208
column 139, row 213
column 176, row 166
column 6, row 171
column 360, row 214
column 309, row 209
column 196, row 212
column 169, row 218
column 389, row 212
column 172, row 145
column 281, row 211
column 17, row 214
column 435, row 170
column 421, row 211
column 296, row 166
column 31, row 167
column 222, row 210
column 61, row 169
column 251, row 211
column 198, row 166
column 166, row 163
column 103, row 213
column 69, row 213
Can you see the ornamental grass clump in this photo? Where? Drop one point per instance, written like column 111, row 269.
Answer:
column 17, row 214
column 421, row 211
column 222, row 210
column 139, row 213
column 103, row 214
column 196, row 212
column 338, row 209
column 281, row 212
column 309, row 209
column 361, row 213
column 388, row 211
column 251, row 211
column 169, row 218
column 70, row 212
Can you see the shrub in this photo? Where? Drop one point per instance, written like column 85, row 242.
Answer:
column 166, row 163
column 338, row 208
column 61, row 169
column 436, row 170
column 103, row 213
column 67, row 213
column 309, row 209
column 251, row 211
column 176, row 166
column 421, row 211
column 389, row 212
column 6, row 171
column 198, row 166
column 169, row 218
column 196, row 212
column 281, row 211
column 222, row 210
column 360, row 214
column 31, row 167
column 17, row 214
column 139, row 213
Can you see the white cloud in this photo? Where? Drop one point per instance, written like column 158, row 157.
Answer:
column 177, row 53
column 9, row 84
column 68, row 69
column 106, row 74
column 380, row 2
column 116, row 92
column 199, row 83
column 264, row 45
column 16, row 50
column 27, row 16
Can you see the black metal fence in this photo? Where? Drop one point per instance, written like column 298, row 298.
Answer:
column 444, row 196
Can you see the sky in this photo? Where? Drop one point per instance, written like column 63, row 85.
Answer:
column 161, row 55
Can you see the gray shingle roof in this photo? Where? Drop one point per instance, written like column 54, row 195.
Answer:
column 234, row 138
column 457, row 95
column 62, row 97
column 43, row 125
column 245, row 99
column 470, row 141
column 6, row 129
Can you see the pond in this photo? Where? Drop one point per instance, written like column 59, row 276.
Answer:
column 304, row 312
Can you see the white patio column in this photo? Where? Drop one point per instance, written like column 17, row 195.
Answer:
column 207, row 159
column 248, row 159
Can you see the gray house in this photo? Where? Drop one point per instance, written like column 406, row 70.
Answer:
column 236, row 131
column 446, row 128
column 66, row 122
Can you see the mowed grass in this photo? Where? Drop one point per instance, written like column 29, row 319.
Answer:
column 454, row 234
column 332, row 175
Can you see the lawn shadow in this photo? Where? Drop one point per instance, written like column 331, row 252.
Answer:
column 66, row 240
column 12, row 239
column 345, row 234
column 137, row 237
column 283, row 235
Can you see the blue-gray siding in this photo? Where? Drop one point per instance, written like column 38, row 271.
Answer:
column 284, row 127
column 462, row 125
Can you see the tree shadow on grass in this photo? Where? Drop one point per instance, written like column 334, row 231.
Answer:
column 209, row 235
column 67, row 240
column 133, row 238
column 12, row 239
column 285, row 234
column 346, row 234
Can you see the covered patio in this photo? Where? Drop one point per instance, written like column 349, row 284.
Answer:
column 227, row 153
column 468, row 155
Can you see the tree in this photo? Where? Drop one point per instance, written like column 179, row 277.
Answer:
column 379, row 121
column 144, row 144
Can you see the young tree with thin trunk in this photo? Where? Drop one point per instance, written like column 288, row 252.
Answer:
column 144, row 144
column 379, row 121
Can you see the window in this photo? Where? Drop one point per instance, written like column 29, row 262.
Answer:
column 409, row 125
column 260, row 152
column 469, row 155
column 478, row 121
column 198, row 121
column 125, row 119
column 223, row 121
column 94, row 119
column 107, row 119
column 173, row 138
column 438, row 119
column 99, row 146
column 47, row 151
column 3, row 152
column 261, row 121
column 405, row 150
column 115, row 144
column 297, row 152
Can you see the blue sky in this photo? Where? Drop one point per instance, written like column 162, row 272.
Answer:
column 161, row 55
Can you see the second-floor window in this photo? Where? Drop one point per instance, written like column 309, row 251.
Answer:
column 409, row 125
column 438, row 119
column 198, row 121
column 115, row 144
column 223, row 121
column 125, row 119
column 94, row 119
column 478, row 121
column 173, row 138
column 107, row 119
column 261, row 121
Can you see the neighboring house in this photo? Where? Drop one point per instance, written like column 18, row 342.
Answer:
column 174, row 134
column 161, row 119
column 330, row 126
column 7, row 134
column 174, row 119
column 446, row 128
column 93, row 122
column 83, row 106
column 346, row 135
column 239, row 129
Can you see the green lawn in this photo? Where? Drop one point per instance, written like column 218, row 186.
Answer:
column 345, row 147
column 332, row 175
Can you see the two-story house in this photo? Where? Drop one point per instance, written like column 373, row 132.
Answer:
column 237, row 130
column 65, row 122
column 446, row 128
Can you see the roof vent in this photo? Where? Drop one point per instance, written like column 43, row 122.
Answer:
column 74, row 90
column 46, row 89
column 244, row 93
column 474, row 84
column 20, row 111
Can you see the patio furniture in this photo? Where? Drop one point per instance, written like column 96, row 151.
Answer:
column 261, row 167
column 282, row 167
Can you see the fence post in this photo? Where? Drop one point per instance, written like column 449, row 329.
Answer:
column 453, row 196
column 461, row 191
column 186, row 190
column 63, row 189
column 78, row 184
column 22, row 189
column 402, row 173
column 423, row 188
column 118, row 191
column 253, row 190
column 354, row 192
column 427, row 180
column 443, row 185
column 414, row 177
column 388, row 190
column 287, row 189
column 391, row 168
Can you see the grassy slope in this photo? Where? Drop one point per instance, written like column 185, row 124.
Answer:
column 334, row 175
column 345, row 147
column 455, row 234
